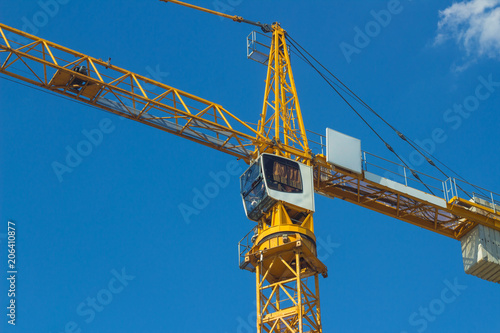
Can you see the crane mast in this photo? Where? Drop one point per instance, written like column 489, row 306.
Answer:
column 278, row 194
column 281, row 116
column 283, row 255
column 278, row 187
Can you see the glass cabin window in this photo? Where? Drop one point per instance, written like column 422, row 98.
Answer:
column 255, row 197
column 250, row 178
column 253, row 191
column 282, row 175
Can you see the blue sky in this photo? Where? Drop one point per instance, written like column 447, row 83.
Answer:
column 112, row 228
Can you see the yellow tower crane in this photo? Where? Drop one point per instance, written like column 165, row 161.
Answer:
column 278, row 187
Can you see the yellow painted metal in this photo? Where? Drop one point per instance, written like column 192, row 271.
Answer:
column 232, row 17
column 454, row 219
column 280, row 131
column 284, row 256
column 476, row 212
column 289, row 303
column 235, row 18
column 50, row 66
column 281, row 117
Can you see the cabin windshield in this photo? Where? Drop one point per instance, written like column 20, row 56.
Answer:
column 282, row 175
column 253, row 188
column 250, row 178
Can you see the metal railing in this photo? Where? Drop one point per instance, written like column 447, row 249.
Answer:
column 447, row 189
column 317, row 142
column 385, row 168
column 402, row 174
column 257, row 50
column 457, row 188
column 244, row 245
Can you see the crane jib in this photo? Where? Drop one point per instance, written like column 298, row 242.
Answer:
column 278, row 189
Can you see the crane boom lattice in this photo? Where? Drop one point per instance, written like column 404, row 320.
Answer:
column 278, row 187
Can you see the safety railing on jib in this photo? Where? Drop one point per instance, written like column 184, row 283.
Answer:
column 450, row 189
column 455, row 189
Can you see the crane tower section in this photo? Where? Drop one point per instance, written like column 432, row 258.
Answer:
column 277, row 189
column 278, row 193
column 281, row 117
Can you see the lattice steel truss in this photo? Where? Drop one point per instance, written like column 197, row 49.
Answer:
column 290, row 304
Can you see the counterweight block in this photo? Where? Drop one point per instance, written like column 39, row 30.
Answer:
column 481, row 253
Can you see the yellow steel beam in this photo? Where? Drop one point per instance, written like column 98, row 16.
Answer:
column 453, row 220
column 297, row 307
column 281, row 117
column 45, row 64
column 206, row 10
column 235, row 18
column 138, row 98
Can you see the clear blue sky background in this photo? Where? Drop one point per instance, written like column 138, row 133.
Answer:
column 119, row 209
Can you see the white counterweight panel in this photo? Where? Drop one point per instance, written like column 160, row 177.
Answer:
column 481, row 253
